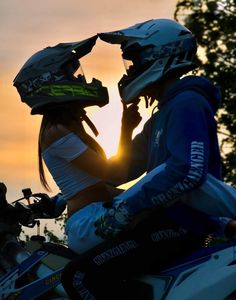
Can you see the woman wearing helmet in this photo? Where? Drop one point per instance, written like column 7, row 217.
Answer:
column 47, row 83
column 43, row 86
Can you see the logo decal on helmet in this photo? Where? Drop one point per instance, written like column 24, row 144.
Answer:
column 48, row 78
column 154, row 49
column 67, row 89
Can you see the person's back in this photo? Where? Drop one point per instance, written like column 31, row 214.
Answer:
column 179, row 103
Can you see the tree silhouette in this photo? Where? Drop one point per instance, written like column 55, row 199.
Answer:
column 214, row 25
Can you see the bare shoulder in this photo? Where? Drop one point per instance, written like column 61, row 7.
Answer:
column 52, row 134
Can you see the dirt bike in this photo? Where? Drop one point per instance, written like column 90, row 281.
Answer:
column 32, row 269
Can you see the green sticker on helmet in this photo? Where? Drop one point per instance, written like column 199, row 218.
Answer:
column 57, row 90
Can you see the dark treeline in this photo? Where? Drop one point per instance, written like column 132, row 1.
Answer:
column 214, row 25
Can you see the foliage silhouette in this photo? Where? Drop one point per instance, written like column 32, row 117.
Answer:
column 213, row 23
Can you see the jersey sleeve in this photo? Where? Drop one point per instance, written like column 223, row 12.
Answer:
column 187, row 164
column 68, row 147
column 139, row 157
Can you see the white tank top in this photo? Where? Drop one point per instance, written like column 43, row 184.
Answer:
column 58, row 157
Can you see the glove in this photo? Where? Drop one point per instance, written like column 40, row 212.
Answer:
column 59, row 205
column 113, row 221
column 47, row 207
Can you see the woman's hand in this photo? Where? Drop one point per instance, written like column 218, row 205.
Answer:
column 131, row 117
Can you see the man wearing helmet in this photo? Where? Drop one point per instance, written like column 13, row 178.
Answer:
column 178, row 149
column 48, row 85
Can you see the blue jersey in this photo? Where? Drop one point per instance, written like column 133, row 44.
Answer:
column 182, row 138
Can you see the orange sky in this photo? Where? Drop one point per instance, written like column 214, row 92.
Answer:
column 28, row 26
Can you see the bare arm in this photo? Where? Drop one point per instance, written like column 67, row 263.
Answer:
column 130, row 120
column 113, row 170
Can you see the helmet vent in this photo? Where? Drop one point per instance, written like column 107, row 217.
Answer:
column 151, row 26
column 140, row 25
column 183, row 32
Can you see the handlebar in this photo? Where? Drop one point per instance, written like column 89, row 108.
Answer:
column 39, row 206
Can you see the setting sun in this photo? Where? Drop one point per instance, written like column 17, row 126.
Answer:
column 28, row 28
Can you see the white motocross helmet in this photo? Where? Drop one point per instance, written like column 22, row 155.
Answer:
column 53, row 76
column 151, row 50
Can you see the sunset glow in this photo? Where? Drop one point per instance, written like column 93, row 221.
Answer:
column 27, row 28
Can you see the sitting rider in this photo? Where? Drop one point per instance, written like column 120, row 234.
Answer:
column 77, row 163
column 51, row 82
column 178, row 148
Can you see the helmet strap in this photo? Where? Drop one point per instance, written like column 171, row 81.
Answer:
column 149, row 100
column 146, row 101
column 89, row 122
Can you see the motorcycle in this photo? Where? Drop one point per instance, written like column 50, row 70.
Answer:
column 29, row 269
column 32, row 269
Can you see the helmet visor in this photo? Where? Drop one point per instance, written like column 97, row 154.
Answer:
column 136, row 59
column 128, row 64
column 79, row 74
column 72, row 70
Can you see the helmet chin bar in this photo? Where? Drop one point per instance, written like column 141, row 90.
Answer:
column 128, row 64
column 49, row 95
column 131, row 70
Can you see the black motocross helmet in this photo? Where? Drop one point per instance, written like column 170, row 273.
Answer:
column 48, row 78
